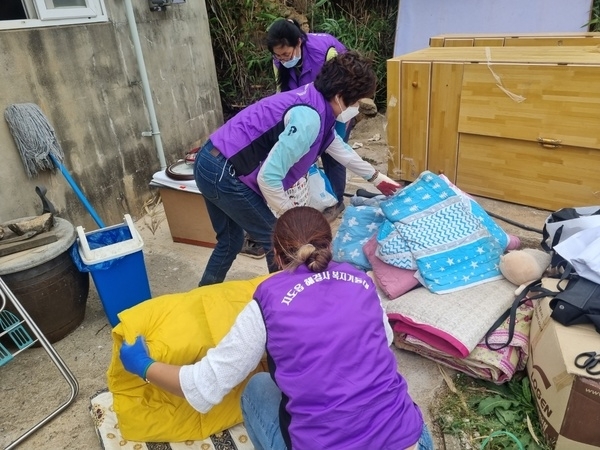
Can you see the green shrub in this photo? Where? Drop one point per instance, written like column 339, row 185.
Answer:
column 244, row 67
column 594, row 23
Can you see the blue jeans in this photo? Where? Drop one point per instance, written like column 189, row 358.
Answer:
column 336, row 173
column 260, row 408
column 426, row 440
column 232, row 207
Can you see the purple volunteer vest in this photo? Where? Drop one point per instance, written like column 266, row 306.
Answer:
column 328, row 354
column 248, row 137
column 314, row 55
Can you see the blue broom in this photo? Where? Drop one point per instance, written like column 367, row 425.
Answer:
column 39, row 148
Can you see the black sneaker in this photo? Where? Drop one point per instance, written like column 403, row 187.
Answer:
column 334, row 211
column 252, row 249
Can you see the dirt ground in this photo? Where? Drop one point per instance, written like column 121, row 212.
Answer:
column 31, row 387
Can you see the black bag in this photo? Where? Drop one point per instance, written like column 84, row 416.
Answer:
column 578, row 303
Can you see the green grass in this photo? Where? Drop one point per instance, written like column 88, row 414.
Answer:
column 472, row 410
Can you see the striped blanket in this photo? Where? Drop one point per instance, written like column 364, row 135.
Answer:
column 432, row 227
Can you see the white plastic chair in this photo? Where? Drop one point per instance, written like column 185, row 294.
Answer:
column 12, row 325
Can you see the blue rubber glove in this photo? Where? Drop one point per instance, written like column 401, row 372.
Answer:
column 135, row 357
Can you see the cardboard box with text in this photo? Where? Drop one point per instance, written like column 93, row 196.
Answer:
column 567, row 398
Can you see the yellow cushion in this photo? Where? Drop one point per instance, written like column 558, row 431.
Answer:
column 179, row 329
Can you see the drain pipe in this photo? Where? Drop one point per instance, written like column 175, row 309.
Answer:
column 155, row 133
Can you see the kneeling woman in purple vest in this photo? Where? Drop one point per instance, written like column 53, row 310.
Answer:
column 246, row 166
column 333, row 382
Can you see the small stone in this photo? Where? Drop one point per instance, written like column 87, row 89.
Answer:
column 367, row 107
column 38, row 225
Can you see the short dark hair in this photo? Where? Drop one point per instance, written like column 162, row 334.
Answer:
column 350, row 75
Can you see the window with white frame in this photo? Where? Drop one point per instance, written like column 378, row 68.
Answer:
column 40, row 13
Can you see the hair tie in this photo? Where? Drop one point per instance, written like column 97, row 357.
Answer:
column 307, row 247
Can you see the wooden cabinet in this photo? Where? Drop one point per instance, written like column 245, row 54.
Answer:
column 519, row 124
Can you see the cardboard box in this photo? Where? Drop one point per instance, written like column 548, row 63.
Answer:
column 567, row 398
column 187, row 217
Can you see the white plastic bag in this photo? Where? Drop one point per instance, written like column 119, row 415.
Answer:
column 566, row 222
column 582, row 250
column 297, row 193
column 320, row 193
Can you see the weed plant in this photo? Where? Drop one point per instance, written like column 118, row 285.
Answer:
column 594, row 23
column 362, row 25
column 473, row 410
column 244, row 66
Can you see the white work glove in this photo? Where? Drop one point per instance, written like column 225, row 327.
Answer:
column 385, row 184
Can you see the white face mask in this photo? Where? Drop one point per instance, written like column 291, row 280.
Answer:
column 347, row 114
column 292, row 62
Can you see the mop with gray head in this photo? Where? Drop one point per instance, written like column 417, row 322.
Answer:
column 34, row 136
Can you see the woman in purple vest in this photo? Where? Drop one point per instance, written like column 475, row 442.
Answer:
column 333, row 382
column 246, row 166
column 297, row 59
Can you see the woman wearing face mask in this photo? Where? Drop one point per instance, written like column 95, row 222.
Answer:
column 248, row 163
column 297, row 59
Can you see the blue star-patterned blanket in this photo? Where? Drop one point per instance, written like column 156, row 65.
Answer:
column 446, row 236
column 361, row 220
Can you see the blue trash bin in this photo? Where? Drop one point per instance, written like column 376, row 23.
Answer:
column 113, row 255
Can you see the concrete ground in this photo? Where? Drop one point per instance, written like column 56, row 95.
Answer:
column 171, row 267
column 30, row 387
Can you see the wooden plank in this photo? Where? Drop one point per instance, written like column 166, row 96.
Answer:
column 561, row 103
column 576, row 55
column 525, row 173
column 436, row 41
column 564, row 35
column 393, row 118
column 414, row 116
column 546, row 41
column 489, row 42
column 446, row 81
column 34, row 242
column 459, row 42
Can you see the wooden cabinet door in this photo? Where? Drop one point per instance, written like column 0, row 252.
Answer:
column 525, row 173
column 446, row 81
column 415, row 79
column 393, row 117
column 560, row 103
column 529, row 134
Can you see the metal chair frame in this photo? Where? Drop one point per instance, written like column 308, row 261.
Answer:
column 6, row 295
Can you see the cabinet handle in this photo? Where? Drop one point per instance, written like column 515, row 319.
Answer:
column 549, row 143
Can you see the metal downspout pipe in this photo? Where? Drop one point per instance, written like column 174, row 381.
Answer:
column 155, row 133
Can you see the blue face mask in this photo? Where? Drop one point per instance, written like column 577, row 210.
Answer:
column 291, row 63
